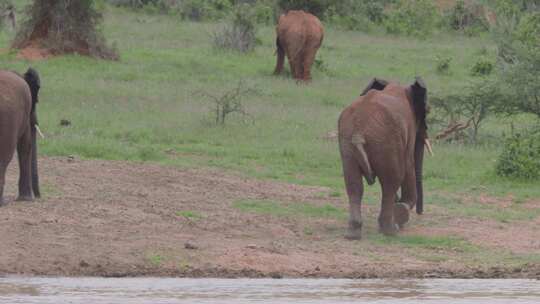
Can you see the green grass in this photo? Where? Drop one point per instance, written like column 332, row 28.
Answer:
column 290, row 209
column 156, row 259
column 192, row 215
column 417, row 241
column 146, row 107
column 456, row 206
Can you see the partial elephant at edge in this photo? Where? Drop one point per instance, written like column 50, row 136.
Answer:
column 18, row 127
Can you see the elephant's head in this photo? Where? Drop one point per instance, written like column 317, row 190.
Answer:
column 32, row 79
column 418, row 99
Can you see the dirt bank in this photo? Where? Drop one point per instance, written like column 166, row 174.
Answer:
column 123, row 219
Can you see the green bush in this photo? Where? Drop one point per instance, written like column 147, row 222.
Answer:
column 198, row 10
column 412, row 17
column 316, row 7
column 239, row 33
column 466, row 18
column 521, row 156
column 482, row 67
column 443, row 64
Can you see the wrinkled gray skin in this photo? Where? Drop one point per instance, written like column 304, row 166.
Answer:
column 18, row 99
column 382, row 135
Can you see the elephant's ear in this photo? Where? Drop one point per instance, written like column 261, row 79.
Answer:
column 32, row 79
column 375, row 84
column 419, row 100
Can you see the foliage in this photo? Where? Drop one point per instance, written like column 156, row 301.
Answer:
column 239, row 34
column 316, row 7
column 482, row 67
column 64, row 27
column 412, row 17
column 473, row 104
column 466, row 18
column 521, row 156
column 229, row 102
column 197, row 10
column 443, row 64
column 518, row 41
column 7, row 14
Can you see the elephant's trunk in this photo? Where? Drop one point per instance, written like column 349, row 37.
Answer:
column 35, row 177
column 418, row 163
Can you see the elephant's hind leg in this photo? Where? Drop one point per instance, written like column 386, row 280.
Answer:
column 24, row 153
column 355, row 191
column 3, row 168
column 408, row 196
column 387, row 221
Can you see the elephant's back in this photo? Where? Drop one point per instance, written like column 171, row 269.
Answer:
column 14, row 93
column 297, row 21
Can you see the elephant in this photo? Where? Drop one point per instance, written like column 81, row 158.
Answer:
column 299, row 35
column 382, row 135
column 18, row 125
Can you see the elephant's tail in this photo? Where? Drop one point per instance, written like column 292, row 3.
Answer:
column 359, row 141
column 279, row 48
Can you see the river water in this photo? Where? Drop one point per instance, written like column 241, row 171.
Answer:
column 227, row 291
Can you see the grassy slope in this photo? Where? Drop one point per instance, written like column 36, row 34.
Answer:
column 145, row 107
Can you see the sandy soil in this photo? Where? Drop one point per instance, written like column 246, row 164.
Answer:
column 113, row 218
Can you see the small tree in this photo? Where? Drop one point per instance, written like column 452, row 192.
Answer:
column 64, row 26
column 229, row 102
column 518, row 40
column 239, row 34
column 473, row 104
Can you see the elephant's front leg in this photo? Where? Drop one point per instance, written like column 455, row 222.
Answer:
column 355, row 191
column 24, row 153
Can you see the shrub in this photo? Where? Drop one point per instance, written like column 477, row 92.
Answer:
column 64, row 27
column 443, row 64
column 198, row 10
column 412, row 17
column 229, row 102
column 467, row 18
column 520, row 157
column 518, row 42
column 316, row 7
column 482, row 67
column 239, row 34
column 470, row 106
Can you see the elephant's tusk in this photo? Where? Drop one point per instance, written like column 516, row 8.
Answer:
column 39, row 132
column 428, row 145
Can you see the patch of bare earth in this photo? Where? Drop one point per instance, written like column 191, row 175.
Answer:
column 115, row 218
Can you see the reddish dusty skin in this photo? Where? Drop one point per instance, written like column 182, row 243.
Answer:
column 109, row 218
column 299, row 36
column 381, row 134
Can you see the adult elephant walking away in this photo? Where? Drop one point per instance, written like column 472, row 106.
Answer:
column 299, row 35
column 382, row 134
column 18, row 123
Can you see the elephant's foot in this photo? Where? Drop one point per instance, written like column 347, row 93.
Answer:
column 25, row 198
column 401, row 214
column 388, row 228
column 354, row 232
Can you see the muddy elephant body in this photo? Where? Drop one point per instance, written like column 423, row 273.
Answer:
column 299, row 36
column 18, row 121
column 382, row 135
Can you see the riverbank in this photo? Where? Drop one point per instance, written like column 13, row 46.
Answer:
column 115, row 218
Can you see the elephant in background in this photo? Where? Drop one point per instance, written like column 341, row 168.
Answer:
column 299, row 36
column 382, row 134
column 18, row 124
